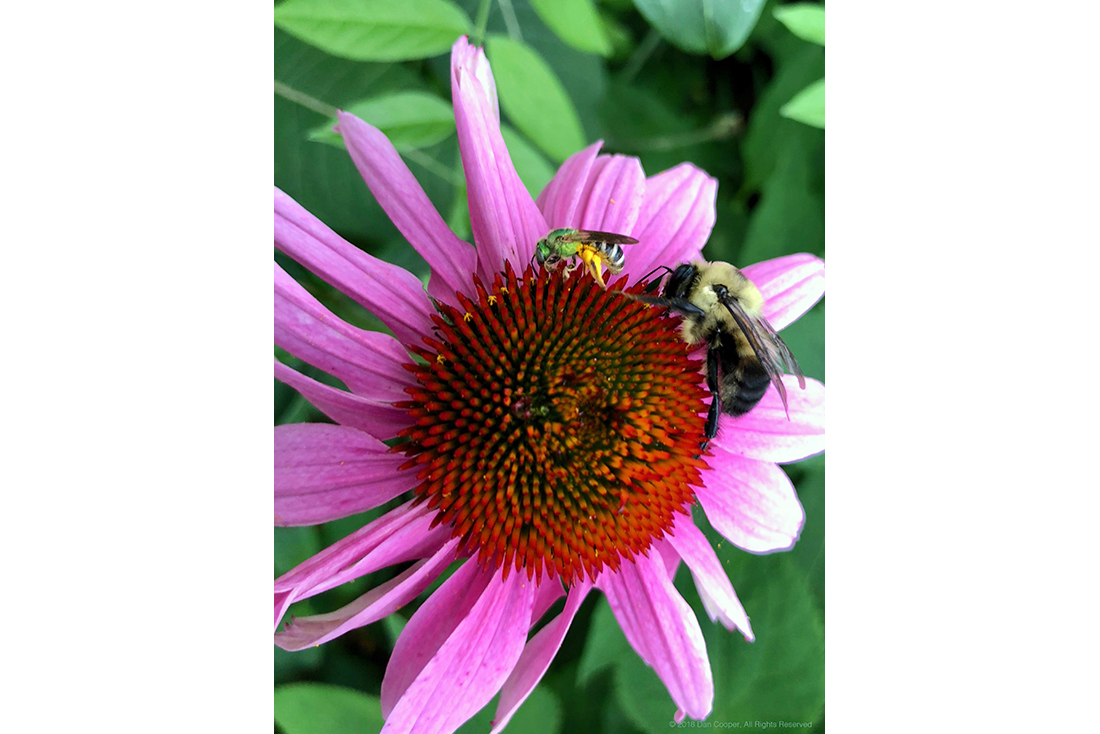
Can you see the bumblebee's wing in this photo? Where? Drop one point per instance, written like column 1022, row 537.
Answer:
column 768, row 347
column 782, row 354
column 591, row 235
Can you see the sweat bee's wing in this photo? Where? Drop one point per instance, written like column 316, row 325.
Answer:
column 768, row 347
column 591, row 235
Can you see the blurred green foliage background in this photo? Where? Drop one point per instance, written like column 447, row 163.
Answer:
column 739, row 92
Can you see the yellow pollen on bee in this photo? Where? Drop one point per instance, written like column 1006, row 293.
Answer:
column 594, row 264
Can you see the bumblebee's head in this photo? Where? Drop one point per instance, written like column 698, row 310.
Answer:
column 680, row 282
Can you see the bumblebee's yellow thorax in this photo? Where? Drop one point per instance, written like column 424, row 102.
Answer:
column 738, row 285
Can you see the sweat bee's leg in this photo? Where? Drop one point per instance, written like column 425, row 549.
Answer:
column 594, row 265
column 715, row 399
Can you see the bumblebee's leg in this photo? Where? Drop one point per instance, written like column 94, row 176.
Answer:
column 681, row 306
column 715, row 399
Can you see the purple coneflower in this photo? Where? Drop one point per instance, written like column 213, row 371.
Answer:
column 552, row 428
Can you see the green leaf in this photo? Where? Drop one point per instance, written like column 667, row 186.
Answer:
column 375, row 30
column 576, row 22
column 409, row 119
column 533, row 169
column 606, row 644
column 533, row 98
column 703, row 26
column 808, row 106
column 809, row 552
column 769, row 134
column 805, row 20
column 790, row 216
column 540, row 714
column 291, row 666
column 781, row 676
column 294, row 545
column 315, row 708
column 322, row 178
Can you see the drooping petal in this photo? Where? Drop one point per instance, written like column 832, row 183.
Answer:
column 401, row 535
column 560, row 200
column 765, row 432
column 368, row 362
column 391, row 293
column 675, row 220
column 376, row 604
column 456, row 651
column 790, row 285
column 377, row 418
column 504, row 219
column 752, row 503
column 663, row 630
column 536, row 658
column 400, row 195
column 715, row 589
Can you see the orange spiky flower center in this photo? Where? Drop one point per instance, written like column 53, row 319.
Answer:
column 556, row 424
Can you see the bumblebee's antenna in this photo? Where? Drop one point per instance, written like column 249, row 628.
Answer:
column 649, row 288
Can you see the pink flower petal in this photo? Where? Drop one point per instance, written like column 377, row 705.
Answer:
column 456, row 651
column 536, row 658
column 675, row 220
column 400, row 195
column 765, row 432
column 663, row 629
column 550, row 590
column 613, row 194
column 401, row 535
column 791, row 285
column 379, row 419
column 715, row 589
column 560, row 201
column 376, row 604
column 505, row 221
column 368, row 362
column 606, row 195
column 752, row 503
column 393, row 294
column 669, row 556
column 326, row 471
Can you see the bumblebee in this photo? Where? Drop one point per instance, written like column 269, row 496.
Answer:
column 724, row 310
column 595, row 249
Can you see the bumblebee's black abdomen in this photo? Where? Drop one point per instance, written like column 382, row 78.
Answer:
column 749, row 381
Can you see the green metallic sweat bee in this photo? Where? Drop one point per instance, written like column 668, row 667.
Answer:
column 596, row 249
